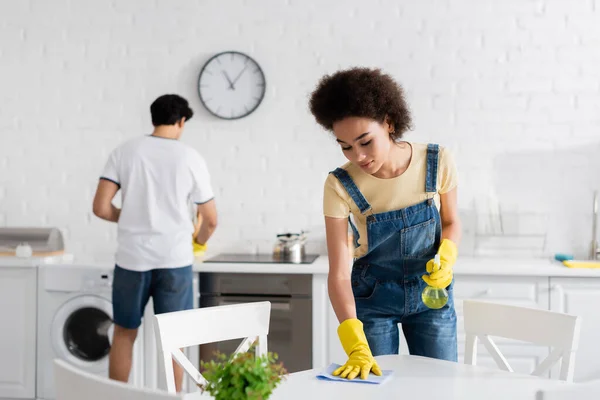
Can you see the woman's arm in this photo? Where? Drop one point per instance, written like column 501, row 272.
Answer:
column 451, row 228
column 338, row 280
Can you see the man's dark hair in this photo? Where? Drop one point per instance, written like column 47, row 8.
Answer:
column 361, row 92
column 169, row 109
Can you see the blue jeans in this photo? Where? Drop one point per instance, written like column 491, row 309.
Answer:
column 171, row 290
column 381, row 304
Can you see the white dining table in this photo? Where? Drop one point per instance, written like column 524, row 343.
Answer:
column 418, row 378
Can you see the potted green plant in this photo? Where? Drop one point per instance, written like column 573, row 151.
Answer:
column 242, row 377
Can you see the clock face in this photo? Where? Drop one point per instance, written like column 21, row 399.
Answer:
column 231, row 85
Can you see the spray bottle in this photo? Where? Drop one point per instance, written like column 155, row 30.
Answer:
column 432, row 297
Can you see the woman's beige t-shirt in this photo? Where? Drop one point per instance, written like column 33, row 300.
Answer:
column 388, row 194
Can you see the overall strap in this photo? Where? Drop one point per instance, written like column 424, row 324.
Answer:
column 352, row 190
column 433, row 151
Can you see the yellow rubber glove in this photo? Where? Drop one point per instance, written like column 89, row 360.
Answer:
column 360, row 360
column 199, row 249
column 442, row 277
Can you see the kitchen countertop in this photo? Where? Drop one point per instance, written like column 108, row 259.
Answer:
column 491, row 266
column 9, row 261
column 519, row 267
column 464, row 266
column 319, row 266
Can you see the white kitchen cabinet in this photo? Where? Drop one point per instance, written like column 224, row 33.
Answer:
column 581, row 296
column 336, row 351
column 326, row 345
column 18, row 333
column 520, row 291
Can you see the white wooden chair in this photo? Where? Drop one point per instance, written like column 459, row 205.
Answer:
column 556, row 330
column 74, row 384
column 576, row 391
column 176, row 330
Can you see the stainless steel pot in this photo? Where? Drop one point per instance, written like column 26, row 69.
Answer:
column 290, row 247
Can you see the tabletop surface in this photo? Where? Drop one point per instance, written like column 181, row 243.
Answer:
column 417, row 378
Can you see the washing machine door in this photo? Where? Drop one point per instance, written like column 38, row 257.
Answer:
column 82, row 331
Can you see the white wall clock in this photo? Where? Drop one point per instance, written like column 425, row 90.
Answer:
column 231, row 85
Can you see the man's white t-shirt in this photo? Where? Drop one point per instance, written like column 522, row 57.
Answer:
column 158, row 178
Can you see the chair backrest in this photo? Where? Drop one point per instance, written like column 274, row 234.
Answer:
column 576, row 391
column 176, row 330
column 74, row 384
column 556, row 330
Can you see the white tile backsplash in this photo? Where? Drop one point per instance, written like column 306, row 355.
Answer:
column 512, row 87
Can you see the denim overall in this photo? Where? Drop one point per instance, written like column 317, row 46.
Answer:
column 387, row 282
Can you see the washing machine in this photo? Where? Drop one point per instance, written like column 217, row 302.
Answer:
column 75, row 323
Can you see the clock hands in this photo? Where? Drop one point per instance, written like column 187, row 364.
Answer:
column 228, row 80
column 238, row 77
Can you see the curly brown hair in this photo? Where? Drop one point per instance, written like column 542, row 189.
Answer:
column 361, row 92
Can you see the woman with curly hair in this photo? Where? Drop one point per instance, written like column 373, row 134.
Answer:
column 400, row 200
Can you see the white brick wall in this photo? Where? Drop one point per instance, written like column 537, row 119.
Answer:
column 512, row 86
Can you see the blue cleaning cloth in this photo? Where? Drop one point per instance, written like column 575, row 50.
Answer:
column 327, row 374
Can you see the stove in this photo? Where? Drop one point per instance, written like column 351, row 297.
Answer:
column 290, row 295
column 234, row 258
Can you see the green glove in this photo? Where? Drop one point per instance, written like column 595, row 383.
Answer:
column 360, row 360
column 442, row 277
